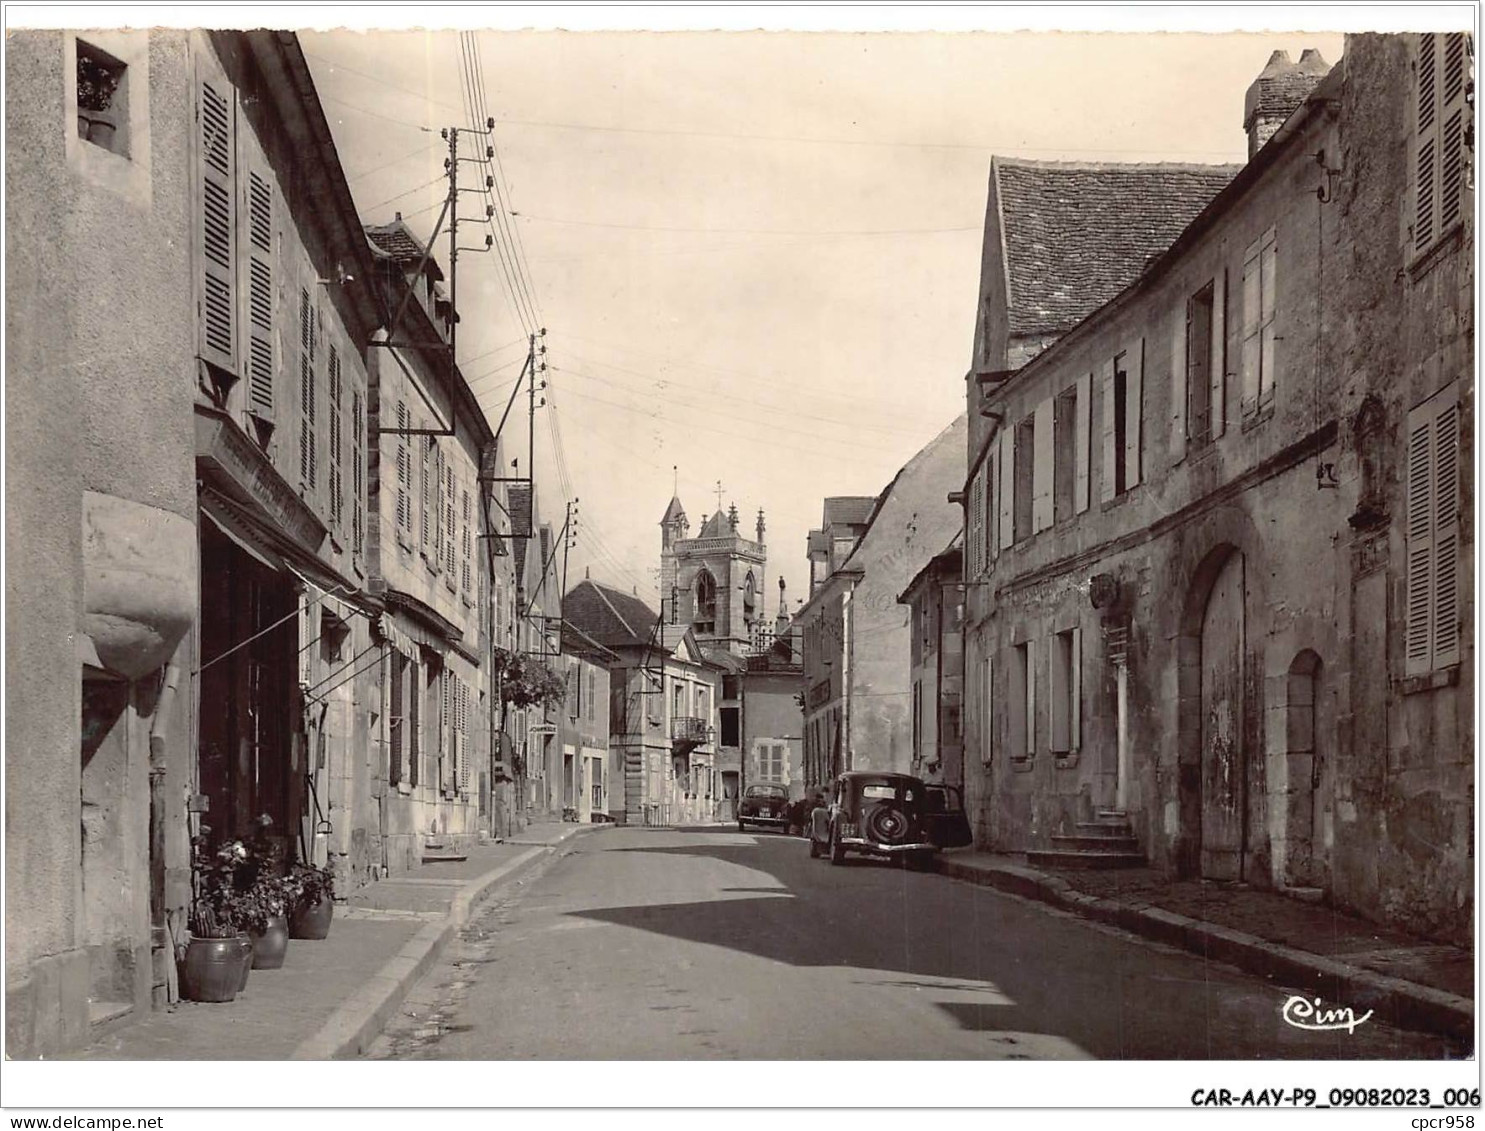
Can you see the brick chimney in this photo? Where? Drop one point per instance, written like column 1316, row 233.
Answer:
column 1277, row 92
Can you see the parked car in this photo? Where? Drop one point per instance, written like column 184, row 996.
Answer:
column 892, row 815
column 764, row 804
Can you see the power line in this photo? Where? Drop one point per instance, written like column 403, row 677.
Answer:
column 400, row 195
column 376, row 114
column 753, row 231
column 395, row 161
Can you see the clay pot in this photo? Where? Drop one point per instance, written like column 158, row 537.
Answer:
column 211, row 970
column 245, row 959
column 270, row 947
column 312, row 920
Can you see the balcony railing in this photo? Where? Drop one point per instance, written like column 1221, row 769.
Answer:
column 693, row 731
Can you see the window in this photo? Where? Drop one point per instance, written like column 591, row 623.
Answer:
column 987, row 710
column 358, row 476
column 1022, row 738
column 1123, row 423
column 397, row 718
column 701, row 704
column 1201, row 347
column 1260, row 280
column 466, row 543
column 1024, row 477
column 750, row 601
column 1443, row 65
column 337, row 446
column 678, row 700
column 1432, row 628
column 1066, row 691
column 1041, row 467
column 102, row 99
column 404, row 473
column 917, row 719
column 729, row 726
column 976, row 537
column 706, row 603
column 1064, row 452
column 425, row 509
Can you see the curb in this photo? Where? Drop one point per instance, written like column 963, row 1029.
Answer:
column 359, row 1020
column 1406, row 1005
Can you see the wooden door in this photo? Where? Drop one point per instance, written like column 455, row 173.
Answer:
column 1223, row 757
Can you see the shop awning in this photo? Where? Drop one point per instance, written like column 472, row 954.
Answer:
column 272, row 547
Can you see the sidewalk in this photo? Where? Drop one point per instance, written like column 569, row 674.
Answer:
column 332, row 997
column 1344, row 960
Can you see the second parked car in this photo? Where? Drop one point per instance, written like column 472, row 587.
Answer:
column 764, row 804
column 892, row 815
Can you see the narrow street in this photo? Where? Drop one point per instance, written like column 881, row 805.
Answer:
column 657, row 944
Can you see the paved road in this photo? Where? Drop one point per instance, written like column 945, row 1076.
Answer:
column 709, row 943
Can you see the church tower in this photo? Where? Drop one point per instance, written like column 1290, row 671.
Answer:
column 713, row 582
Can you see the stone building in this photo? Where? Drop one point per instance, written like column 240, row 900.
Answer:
column 715, row 581
column 1186, row 513
column 662, row 706
column 855, row 634
column 182, row 521
column 935, row 601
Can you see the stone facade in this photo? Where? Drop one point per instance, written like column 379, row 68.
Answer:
column 1180, row 511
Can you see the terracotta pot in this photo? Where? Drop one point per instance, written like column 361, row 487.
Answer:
column 312, row 920
column 270, row 947
column 210, row 970
column 95, row 129
column 245, row 959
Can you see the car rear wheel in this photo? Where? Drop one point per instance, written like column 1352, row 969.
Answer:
column 837, row 849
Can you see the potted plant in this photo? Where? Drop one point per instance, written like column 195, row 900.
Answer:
column 266, row 895
column 315, row 905
column 96, row 85
column 214, row 962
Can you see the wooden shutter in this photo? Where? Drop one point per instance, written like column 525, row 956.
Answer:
column 1268, row 265
column 1106, row 382
column 308, row 431
column 1252, row 298
column 358, row 474
column 1059, row 677
column 1082, row 437
column 1418, row 633
column 425, row 510
column 1180, row 377
column 449, row 533
column 995, row 502
column 1446, row 539
column 987, row 715
column 1134, row 412
column 1041, row 466
column 396, row 719
column 216, row 120
column 260, row 288
column 404, row 471
column 335, row 410
column 1030, row 698
column 976, row 523
column 415, row 724
column 1076, row 691
column 1217, row 375
column 986, row 545
column 445, row 732
column 1007, row 487
column 462, row 752
column 1425, row 217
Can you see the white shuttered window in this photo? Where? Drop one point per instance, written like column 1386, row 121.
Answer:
column 1432, row 630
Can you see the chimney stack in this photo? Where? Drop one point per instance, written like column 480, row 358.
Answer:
column 1277, row 92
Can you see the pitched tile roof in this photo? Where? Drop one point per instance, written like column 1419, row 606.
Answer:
column 396, row 241
column 609, row 616
column 716, row 527
column 852, row 510
column 1076, row 234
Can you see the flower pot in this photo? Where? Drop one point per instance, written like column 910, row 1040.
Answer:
column 270, row 947
column 96, row 129
column 244, row 959
column 211, row 970
column 312, row 920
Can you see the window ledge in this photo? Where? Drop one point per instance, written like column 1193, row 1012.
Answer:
column 1066, row 761
column 1022, row 765
column 1258, row 416
column 1428, row 681
column 1426, row 260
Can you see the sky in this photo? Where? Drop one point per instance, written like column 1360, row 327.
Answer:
column 755, row 254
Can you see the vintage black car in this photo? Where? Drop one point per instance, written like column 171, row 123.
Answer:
column 892, row 815
column 764, row 804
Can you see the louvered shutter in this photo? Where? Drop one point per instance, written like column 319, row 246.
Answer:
column 425, row 510
column 1041, row 467
column 335, row 409
column 1180, row 378
column 1076, row 690
column 987, row 714
column 449, row 532
column 358, row 474
column 976, row 523
column 1217, row 401
column 466, row 547
column 1418, row 633
column 445, row 734
column 1134, row 412
column 1268, row 263
column 464, row 744
column 1031, row 665
column 260, row 288
column 308, row 456
column 216, row 119
column 1446, row 627
column 415, row 725
column 1082, row 435
column 404, row 471
column 992, row 500
column 987, row 534
column 396, row 720
column 1106, row 383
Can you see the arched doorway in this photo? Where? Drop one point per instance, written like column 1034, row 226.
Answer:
column 1224, row 758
